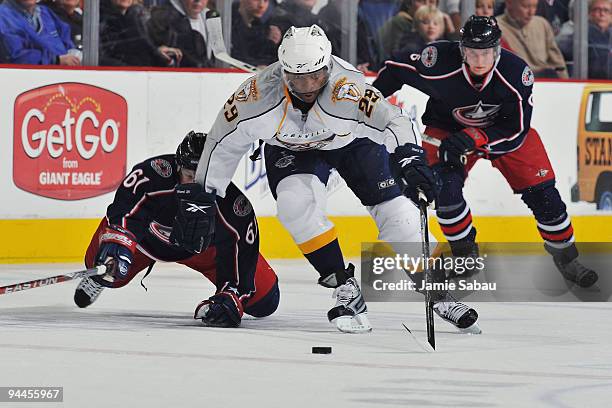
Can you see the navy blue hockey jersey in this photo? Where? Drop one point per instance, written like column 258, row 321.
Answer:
column 145, row 203
column 501, row 106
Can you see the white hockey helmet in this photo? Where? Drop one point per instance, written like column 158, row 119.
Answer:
column 304, row 50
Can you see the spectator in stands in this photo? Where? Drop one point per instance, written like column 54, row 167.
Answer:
column 296, row 13
column 531, row 37
column 450, row 32
column 69, row 11
column 32, row 34
column 330, row 19
column 124, row 39
column 182, row 24
column 452, row 8
column 429, row 22
column 253, row 41
column 485, row 8
column 401, row 25
column 398, row 26
column 600, row 39
column 4, row 54
column 555, row 11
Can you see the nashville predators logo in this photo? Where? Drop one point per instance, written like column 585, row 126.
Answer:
column 481, row 115
column 248, row 92
column 345, row 90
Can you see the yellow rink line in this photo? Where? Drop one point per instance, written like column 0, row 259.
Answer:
column 65, row 240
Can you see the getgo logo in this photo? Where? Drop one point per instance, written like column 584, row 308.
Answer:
column 70, row 141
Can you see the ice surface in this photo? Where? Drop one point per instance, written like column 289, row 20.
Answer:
column 143, row 349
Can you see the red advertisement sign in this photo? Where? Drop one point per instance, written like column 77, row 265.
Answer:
column 70, row 141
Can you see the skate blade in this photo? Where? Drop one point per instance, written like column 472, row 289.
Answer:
column 473, row 329
column 353, row 324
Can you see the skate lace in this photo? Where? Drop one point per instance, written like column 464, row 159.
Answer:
column 455, row 310
column 91, row 288
column 345, row 293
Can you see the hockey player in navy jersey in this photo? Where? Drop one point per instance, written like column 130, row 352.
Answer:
column 137, row 231
column 316, row 113
column 480, row 104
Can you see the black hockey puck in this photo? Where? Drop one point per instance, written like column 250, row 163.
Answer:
column 321, row 350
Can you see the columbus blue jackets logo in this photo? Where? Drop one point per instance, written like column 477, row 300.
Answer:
column 242, row 206
column 480, row 115
column 429, row 56
column 527, row 77
column 162, row 167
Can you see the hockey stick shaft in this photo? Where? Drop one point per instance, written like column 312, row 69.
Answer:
column 37, row 283
column 217, row 43
column 431, row 336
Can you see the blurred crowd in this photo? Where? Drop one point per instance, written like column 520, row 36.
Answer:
column 174, row 33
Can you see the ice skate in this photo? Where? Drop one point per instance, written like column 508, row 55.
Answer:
column 576, row 272
column 350, row 312
column 459, row 315
column 87, row 292
column 567, row 263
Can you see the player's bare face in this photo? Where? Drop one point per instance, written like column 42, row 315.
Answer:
column 480, row 62
column 307, row 86
column 186, row 176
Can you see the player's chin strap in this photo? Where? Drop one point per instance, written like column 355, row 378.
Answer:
column 149, row 269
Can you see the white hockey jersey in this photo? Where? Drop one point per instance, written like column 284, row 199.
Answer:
column 347, row 108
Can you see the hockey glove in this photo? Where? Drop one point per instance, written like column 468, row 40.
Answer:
column 117, row 247
column 457, row 146
column 194, row 224
column 223, row 309
column 409, row 167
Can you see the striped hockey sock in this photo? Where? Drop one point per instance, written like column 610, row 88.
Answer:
column 557, row 233
column 456, row 222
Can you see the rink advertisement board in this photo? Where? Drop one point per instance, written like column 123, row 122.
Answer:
column 69, row 141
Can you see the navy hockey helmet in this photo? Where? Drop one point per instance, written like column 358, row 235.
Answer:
column 481, row 32
column 189, row 151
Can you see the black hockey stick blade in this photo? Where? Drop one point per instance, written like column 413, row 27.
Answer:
column 416, row 339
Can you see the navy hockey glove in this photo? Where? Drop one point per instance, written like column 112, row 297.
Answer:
column 117, row 247
column 409, row 166
column 194, row 224
column 454, row 149
column 223, row 309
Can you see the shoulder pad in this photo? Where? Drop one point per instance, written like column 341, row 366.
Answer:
column 345, row 89
column 439, row 58
column 515, row 69
column 164, row 166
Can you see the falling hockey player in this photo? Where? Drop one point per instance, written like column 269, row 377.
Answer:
column 315, row 112
column 137, row 231
column 480, row 104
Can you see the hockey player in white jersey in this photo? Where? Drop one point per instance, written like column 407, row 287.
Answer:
column 315, row 112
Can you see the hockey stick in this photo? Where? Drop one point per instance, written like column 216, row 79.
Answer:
column 18, row 287
column 431, row 335
column 217, row 45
